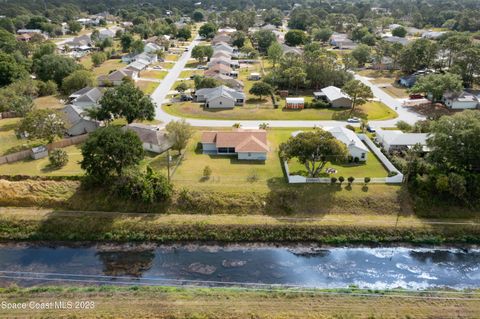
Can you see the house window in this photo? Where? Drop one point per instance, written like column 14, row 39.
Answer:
column 222, row 150
column 220, row 103
column 363, row 155
column 249, row 154
column 231, row 149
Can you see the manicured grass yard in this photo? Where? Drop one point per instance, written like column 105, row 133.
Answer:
column 147, row 86
column 371, row 168
column 227, row 171
column 105, row 68
column 48, row 102
column 9, row 143
column 172, row 57
column 372, row 111
column 153, row 74
column 41, row 167
column 189, row 73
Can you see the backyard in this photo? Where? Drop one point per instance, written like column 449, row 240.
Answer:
column 153, row 74
column 147, row 87
column 228, row 173
column 372, row 110
column 105, row 68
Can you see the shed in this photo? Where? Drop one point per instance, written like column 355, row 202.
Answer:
column 39, row 152
column 295, row 103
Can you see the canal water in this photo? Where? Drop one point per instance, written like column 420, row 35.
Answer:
column 240, row 265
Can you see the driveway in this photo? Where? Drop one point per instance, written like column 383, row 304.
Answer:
column 160, row 94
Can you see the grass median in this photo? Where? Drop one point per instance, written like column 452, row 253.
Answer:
column 213, row 303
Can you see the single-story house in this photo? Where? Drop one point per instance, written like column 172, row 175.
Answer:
column 227, row 30
column 395, row 39
column 147, row 58
column 288, row 49
column 460, row 101
column 230, row 82
column 29, row 31
column 356, row 148
column 336, row 37
column 220, row 69
column 395, row 140
column 116, row 78
column 86, row 97
column 152, row 48
column 78, row 122
column 222, row 46
column 335, row 96
column 268, row 27
column 386, row 63
column 39, row 152
column 408, row 81
column 153, row 138
column 221, row 38
column 137, row 66
column 221, row 54
column 106, row 33
column 294, row 103
column 245, row 144
column 221, row 97
column 433, row 34
column 225, row 61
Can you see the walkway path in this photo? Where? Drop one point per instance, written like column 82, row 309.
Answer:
column 160, row 95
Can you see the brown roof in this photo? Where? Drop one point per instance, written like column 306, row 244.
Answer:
column 242, row 140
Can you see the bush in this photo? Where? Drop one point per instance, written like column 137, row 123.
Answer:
column 391, row 174
column 333, row 180
column 207, row 172
column 351, row 128
column 356, row 160
column 367, row 180
column 319, row 104
column 351, row 179
column 47, row 88
column 58, row 158
column 146, row 187
column 403, row 126
column 341, row 179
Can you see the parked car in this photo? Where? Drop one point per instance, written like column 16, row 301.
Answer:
column 370, row 129
column 415, row 96
column 186, row 97
column 353, row 120
column 202, row 67
column 186, row 50
column 157, row 67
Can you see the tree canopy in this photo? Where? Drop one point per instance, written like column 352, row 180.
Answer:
column 126, row 101
column 314, row 150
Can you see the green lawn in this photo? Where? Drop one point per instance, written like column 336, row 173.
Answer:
column 41, row 167
column 153, row 74
column 189, row 73
column 9, row 143
column 165, row 65
column 172, row 57
column 370, row 111
column 389, row 81
column 371, row 168
column 147, row 87
column 48, row 102
column 105, row 68
column 229, row 173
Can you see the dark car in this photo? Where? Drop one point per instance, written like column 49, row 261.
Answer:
column 370, row 129
column 186, row 97
column 415, row 96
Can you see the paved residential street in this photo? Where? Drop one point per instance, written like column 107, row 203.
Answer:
column 160, row 94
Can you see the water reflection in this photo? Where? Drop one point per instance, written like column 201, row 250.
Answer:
column 302, row 265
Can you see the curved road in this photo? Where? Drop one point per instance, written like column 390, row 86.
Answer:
column 160, row 95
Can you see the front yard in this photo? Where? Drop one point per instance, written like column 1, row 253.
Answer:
column 105, row 68
column 153, row 74
column 387, row 81
column 371, row 111
column 147, row 87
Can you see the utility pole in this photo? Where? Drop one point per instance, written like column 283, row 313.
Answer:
column 168, row 165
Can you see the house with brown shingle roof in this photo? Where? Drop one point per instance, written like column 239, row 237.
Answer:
column 220, row 69
column 116, row 78
column 246, row 144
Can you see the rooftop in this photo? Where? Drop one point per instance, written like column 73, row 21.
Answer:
column 242, row 140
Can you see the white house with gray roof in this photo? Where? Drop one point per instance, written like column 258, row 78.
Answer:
column 335, row 96
column 153, row 138
column 221, row 97
column 78, row 122
column 86, row 97
column 356, row 148
column 395, row 140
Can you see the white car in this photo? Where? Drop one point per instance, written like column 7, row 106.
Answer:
column 353, row 120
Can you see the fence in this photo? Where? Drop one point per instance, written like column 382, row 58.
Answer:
column 18, row 156
column 8, row 115
column 398, row 178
